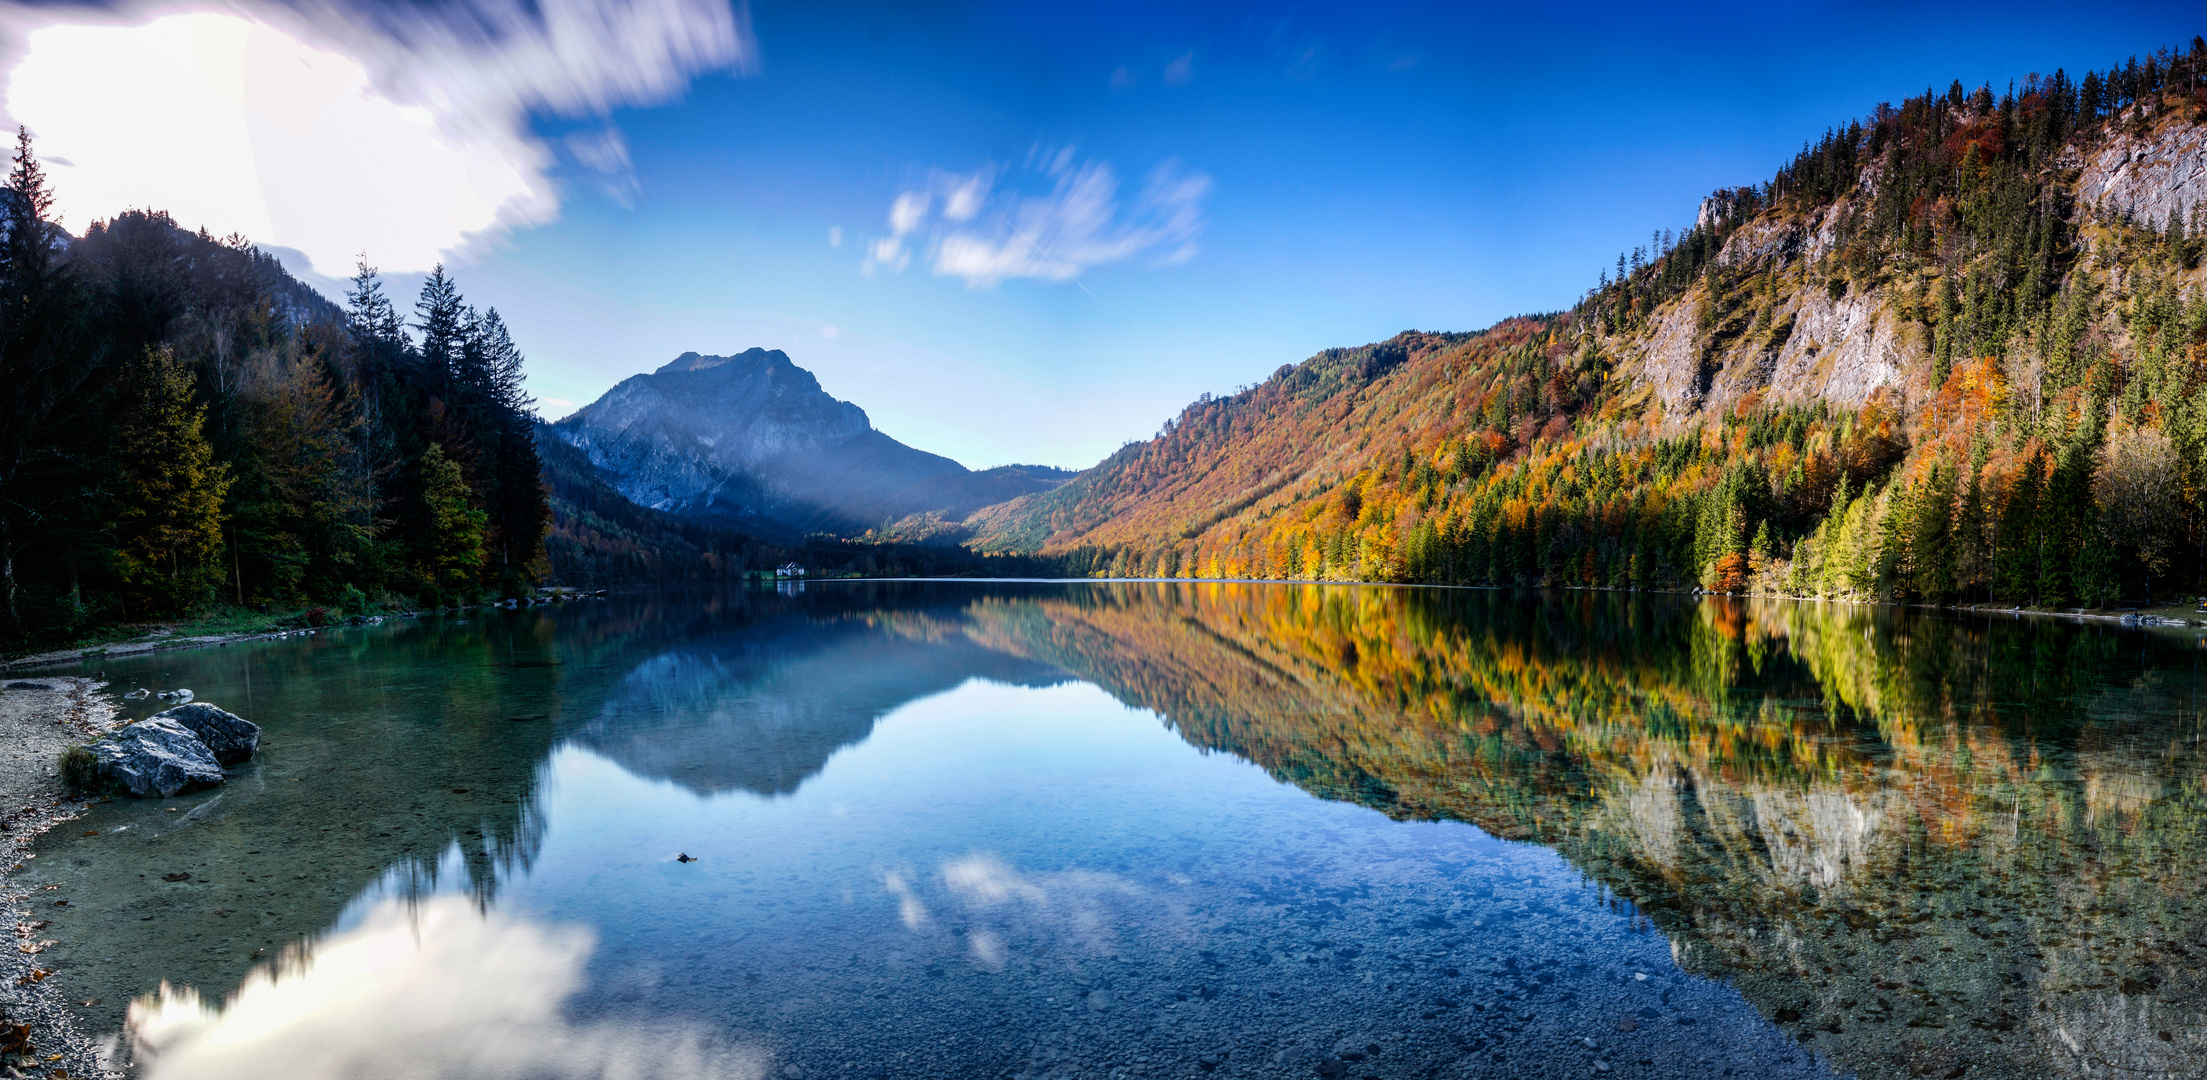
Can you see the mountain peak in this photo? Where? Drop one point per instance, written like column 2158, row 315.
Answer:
column 752, row 439
column 753, row 357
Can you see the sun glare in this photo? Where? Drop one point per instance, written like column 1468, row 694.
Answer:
column 232, row 125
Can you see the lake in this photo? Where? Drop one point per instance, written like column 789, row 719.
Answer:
column 1023, row 830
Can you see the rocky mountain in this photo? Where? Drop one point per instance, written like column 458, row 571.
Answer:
column 751, row 441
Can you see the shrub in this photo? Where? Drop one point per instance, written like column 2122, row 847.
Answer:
column 80, row 769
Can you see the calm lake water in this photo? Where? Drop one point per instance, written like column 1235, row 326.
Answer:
column 1158, row 830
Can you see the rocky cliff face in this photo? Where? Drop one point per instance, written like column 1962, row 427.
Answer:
column 2148, row 178
column 1812, row 343
column 1815, row 337
column 752, row 441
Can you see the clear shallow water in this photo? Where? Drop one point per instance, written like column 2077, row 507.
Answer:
column 1158, row 830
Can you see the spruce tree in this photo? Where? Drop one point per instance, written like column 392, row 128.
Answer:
column 441, row 317
column 36, row 380
column 1972, row 540
column 1930, row 507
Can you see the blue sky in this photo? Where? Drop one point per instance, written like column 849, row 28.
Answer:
column 1125, row 206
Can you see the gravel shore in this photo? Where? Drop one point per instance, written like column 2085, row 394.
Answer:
column 38, row 718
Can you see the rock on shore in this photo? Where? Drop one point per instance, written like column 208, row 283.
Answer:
column 176, row 750
column 157, row 756
column 233, row 739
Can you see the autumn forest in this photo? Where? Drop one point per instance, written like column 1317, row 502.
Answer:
column 2040, row 440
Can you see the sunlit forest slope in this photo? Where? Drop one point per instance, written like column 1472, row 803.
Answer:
column 1950, row 352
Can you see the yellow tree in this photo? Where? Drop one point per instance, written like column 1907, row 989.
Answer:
column 455, row 524
column 170, row 489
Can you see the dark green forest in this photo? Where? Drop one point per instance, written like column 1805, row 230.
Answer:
column 186, row 426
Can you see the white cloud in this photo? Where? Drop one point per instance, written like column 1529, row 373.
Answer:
column 426, row 990
column 907, row 211
column 966, row 199
column 401, row 131
column 905, row 214
column 1180, row 72
column 989, row 230
column 602, row 149
column 835, row 236
column 831, row 331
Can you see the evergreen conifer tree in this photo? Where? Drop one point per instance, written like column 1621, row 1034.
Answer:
column 38, row 376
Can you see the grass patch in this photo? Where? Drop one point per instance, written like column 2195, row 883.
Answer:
column 80, row 769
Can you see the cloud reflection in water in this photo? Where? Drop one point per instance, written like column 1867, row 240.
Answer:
column 1076, row 908
column 431, row 989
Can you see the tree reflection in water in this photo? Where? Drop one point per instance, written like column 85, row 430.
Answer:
column 1915, row 841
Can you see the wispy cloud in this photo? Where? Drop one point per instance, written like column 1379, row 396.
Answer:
column 992, row 225
column 401, row 130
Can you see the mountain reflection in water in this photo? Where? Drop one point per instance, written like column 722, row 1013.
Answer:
column 1917, row 844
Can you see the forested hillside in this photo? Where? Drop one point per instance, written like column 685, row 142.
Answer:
column 1950, row 352
column 183, row 424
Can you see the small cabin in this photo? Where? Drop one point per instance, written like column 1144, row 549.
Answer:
column 789, row 570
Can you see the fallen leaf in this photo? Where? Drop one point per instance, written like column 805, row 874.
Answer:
column 179, row 876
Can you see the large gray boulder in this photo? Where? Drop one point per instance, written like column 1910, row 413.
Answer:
column 233, row 739
column 157, row 756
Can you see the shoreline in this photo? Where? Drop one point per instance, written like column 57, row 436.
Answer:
column 80, row 654
column 2138, row 618
column 160, row 642
column 38, row 718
